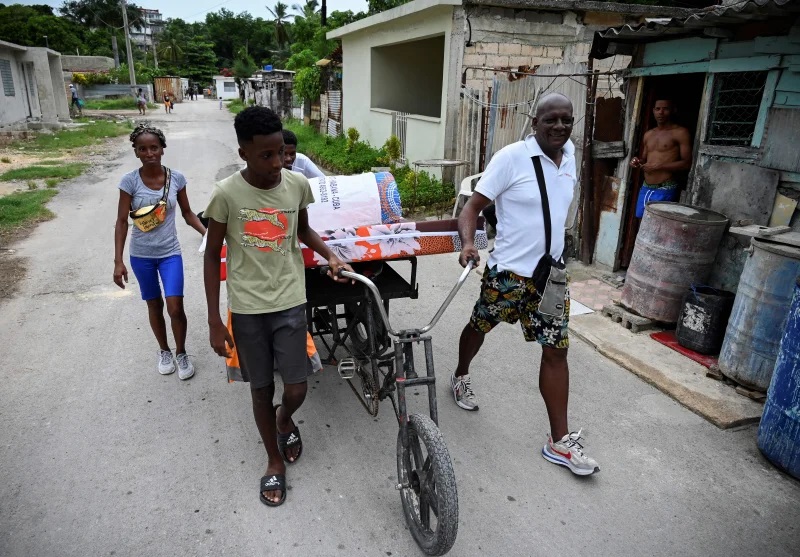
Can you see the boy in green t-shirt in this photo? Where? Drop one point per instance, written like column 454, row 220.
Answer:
column 261, row 214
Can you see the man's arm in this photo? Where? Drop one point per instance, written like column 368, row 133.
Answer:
column 467, row 223
column 218, row 332
column 310, row 238
column 637, row 162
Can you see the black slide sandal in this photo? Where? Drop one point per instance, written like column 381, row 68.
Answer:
column 273, row 483
column 288, row 440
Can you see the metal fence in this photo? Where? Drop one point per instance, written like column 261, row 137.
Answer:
column 334, row 113
column 498, row 112
column 400, row 129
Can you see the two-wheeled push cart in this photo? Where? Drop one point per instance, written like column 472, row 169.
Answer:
column 379, row 363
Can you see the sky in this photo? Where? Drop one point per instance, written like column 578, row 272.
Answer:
column 196, row 10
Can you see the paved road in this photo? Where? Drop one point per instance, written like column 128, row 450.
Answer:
column 100, row 455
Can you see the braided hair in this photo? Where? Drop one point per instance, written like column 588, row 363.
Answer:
column 144, row 128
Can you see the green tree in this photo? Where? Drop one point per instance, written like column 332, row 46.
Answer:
column 281, row 22
column 243, row 68
column 309, row 10
column 100, row 13
column 308, row 83
column 170, row 49
column 28, row 26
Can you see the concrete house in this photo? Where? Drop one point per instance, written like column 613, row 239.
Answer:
column 226, row 87
column 734, row 73
column 452, row 79
column 34, row 93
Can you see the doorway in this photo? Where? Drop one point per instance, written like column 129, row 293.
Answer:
column 686, row 90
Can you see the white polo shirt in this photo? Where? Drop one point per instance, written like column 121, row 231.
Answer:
column 510, row 181
column 306, row 167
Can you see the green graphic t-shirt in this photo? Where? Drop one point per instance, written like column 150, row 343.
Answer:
column 265, row 264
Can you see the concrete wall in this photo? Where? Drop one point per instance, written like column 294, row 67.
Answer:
column 87, row 63
column 411, row 67
column 39, row 90
column 507, row 38
column 14, row 108
column 425, row 134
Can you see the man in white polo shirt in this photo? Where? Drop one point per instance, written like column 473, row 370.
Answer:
column 508, row 293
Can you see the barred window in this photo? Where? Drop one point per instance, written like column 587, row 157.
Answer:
column 229, row 87
column 8, row 80
column 734, row 108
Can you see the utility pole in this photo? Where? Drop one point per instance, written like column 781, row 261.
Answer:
column 131, row 71
column 114, row 47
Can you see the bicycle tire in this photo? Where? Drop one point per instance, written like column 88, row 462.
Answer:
column 416, row 470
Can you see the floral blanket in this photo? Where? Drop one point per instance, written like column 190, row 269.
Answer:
column 391, row 241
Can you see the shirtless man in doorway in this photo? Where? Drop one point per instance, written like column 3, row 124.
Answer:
column 667, row 150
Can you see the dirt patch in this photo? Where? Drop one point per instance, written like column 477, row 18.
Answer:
column 12, row 271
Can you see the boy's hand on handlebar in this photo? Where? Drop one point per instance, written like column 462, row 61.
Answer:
column 469, row 253
column 337, row 265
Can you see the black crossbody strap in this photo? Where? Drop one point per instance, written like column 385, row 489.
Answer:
column 167, row 183
column 537, row 166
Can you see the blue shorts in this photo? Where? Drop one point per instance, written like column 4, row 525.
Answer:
column 668, row 191
column 147, row 271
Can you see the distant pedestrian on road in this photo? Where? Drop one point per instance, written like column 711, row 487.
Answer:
column 167, row 102
column 667, row 150
column 508, row 291
column 220, row 103
column 156, row 252
column 298, row 162
column 141, row 102
column 76, row 102
column 261, row 214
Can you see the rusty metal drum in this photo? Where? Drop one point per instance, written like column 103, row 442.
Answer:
column 675, row 248
column 759, row 314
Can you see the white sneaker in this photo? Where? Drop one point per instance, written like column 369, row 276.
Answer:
column 462, row 392
column 185, row 367
column 569, row 452
column 166, row 363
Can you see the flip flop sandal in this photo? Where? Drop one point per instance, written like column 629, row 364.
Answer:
column 273, row 483
column 288, row 440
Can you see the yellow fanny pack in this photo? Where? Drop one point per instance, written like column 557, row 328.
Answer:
column 150, row 217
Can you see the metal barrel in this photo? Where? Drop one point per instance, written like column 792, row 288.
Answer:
column 779, row 430
column 675, row 248
column 703, row 319
column 759, row 314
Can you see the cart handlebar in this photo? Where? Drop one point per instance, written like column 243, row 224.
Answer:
column 376, row 294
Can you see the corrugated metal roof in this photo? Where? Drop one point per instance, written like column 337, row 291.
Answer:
column 729, row 14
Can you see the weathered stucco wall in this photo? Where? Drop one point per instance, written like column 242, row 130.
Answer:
column 507, row 38
column 425, row 138
column 13, row 108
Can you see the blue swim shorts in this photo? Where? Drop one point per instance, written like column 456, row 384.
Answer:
column 665, row 191
column 147, row 271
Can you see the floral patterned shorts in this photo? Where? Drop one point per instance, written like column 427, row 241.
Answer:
column 507, row 297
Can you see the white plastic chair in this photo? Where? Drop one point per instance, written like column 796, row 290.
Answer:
column 465, row 191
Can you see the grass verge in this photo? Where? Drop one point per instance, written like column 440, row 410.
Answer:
column 125, row 103
column 23, row 208
column 34, row 172
column 236, row 106
column 90, row 134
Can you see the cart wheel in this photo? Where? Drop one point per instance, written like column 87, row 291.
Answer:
column 428, row 486
column 359, row 338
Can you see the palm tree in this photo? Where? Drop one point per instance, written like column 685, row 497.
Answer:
column 170, row 49
column 308, row 10
column 281, row 15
